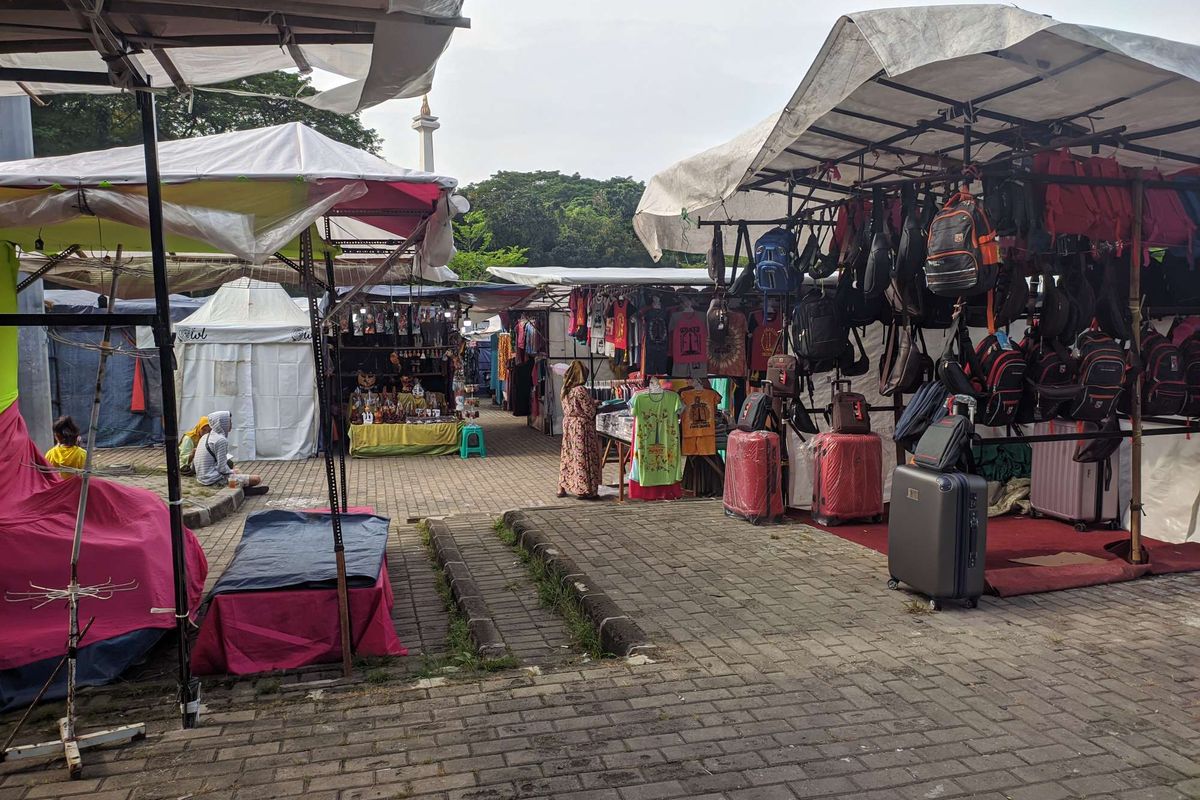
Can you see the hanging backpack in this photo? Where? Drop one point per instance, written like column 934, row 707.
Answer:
column 1001, row 380
column 756, row 412
column 715, row 258
column 819, row 328
column 963, row 254
column 910, row 252
column 1112, row 315
column 1049, row 379
column 851, row 233
column 877, row 272
column 1163, row 388
column 742, row 282
column 774, row 263
column 1055, row 314
column 1082, row 300
column 1100, row 367
column 926, row 407
column 1115, row 223
column 1002, row 305
column 1190, row 352
column 1070, row 208
column 902, row 367
column 1165, row 222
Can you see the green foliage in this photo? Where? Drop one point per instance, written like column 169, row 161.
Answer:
column 74, row 123
column 474, row 239
column 556, row 219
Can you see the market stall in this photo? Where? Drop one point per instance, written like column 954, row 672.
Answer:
column 945, row 214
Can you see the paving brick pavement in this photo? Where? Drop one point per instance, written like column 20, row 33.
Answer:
column 785, row 670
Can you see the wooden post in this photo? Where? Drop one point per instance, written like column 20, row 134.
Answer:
column 1135, row 391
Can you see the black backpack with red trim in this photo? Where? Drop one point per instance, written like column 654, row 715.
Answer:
column 1190, row 350
column 963, row 255
column 1100, row 363
column 1163, row 387
column 1048, row 367
column 1000, row 379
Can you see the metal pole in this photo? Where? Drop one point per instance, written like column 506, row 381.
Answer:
column 189, row 689
column 335, row 511
column 336, row 390
column 1135, row 391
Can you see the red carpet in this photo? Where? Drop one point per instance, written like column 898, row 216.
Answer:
column 1021, row 537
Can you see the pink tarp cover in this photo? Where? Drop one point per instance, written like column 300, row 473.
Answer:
column 126, row 536
column 248, row 632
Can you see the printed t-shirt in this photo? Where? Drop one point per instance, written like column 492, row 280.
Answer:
column 727, row 354
column 596, row 326
column 620, row 326
column 689, row 338
column 656, row 341
column 764, row 340
column 699, row 422
column 657, row 441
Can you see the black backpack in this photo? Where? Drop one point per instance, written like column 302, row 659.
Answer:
column 963, row 253
column 1112, row 314
column 878, row 269
column 1189, row 349
column 1048, row 370
column 1001, row 379
column 910, row 252
column 756, row 411
column 820, row 331
column 1100, row 366
column 1163, row 387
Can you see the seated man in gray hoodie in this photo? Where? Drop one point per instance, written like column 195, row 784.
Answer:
column 212, row 462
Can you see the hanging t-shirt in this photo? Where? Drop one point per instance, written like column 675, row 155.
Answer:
column 578, row 305
column 689, row 338
column 657, row 443
column 727, row 354
column 620, row 326
column 656, row 341
column 764, row 341
column 699, row 424
column 596, row 326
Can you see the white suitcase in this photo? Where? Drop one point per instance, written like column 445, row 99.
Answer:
column 1063, row 488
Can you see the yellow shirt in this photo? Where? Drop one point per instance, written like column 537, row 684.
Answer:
column 63, row 456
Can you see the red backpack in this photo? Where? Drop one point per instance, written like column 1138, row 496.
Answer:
column 1115, row 202
column 1165, row 222
column 1070, row 208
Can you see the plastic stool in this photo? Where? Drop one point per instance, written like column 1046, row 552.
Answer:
column 471, row 442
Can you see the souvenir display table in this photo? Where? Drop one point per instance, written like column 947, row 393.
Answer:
column 616, row 432
column 405, row 438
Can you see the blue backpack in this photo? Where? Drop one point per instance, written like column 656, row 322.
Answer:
column 774, row 264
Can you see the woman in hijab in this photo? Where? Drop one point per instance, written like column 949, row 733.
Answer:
column 579, row 466
column 187, row 445
column 212, row 462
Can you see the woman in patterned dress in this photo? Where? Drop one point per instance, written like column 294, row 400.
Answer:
column 579, row 466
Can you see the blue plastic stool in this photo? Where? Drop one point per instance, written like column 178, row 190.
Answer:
column 471, row 442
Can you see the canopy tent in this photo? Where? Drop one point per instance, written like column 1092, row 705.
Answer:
column 386, row 48
column 130, row 406
column 248, row 350
column 248, row 193
column 595, row 276
column 892, row 93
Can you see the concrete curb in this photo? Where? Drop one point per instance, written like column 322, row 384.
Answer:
column 213, row 509
column 619, row 635
column 488, row 641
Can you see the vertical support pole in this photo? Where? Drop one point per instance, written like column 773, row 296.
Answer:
column 335, row 391
column 189, row 689
column 335, row 510
column 1135, row 391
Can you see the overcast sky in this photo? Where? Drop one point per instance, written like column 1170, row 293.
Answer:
column 628, row 87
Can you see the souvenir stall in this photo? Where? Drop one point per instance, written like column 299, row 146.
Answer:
column 975, row 270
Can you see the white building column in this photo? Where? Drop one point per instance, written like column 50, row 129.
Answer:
column 425, row 124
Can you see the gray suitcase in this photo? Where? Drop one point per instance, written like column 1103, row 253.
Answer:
column 937, row 534
column 1061, row 487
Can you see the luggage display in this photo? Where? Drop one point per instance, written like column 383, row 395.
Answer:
column 1061, row 487
column 847, row 477
column 849, row 412
column 753, row 477
column 937, row 534
column 799, row 490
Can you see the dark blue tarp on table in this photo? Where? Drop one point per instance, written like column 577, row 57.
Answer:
column 294, row 550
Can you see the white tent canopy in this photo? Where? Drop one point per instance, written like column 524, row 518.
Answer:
column 594, row 276
column 385, row 48
column 248, row 193
column 248, row 350
column 893, row 85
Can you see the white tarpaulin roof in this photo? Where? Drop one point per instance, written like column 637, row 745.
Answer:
column 892, row 86
column 616, row 276
column 246, row 311
column 385, row 48
column 248, row 193
column 248, row 351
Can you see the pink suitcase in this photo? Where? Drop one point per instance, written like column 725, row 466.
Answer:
column 753, row 477
column 1061, row 487
column 847, row 477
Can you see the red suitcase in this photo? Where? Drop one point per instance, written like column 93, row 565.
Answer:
column 753, row 477
column 847, row 477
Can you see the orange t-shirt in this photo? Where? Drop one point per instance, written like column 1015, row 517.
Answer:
column 699, row 421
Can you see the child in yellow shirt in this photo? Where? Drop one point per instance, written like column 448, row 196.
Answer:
column 66, row 453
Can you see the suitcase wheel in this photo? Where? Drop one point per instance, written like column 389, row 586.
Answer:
column 1081, row 526
column 1113, row 525
column 893, row 584
column 935, row 604
column 972, row 602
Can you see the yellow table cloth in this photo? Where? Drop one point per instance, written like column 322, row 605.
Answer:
column 402, row 439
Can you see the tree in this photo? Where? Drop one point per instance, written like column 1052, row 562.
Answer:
column 78, row 123
column 563, row 220
column 474, row 240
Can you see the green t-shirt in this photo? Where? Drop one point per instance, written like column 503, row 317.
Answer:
column 657, row 450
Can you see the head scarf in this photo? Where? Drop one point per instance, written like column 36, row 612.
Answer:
column 220, row 422
column 576, row 375
column 195, row 433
